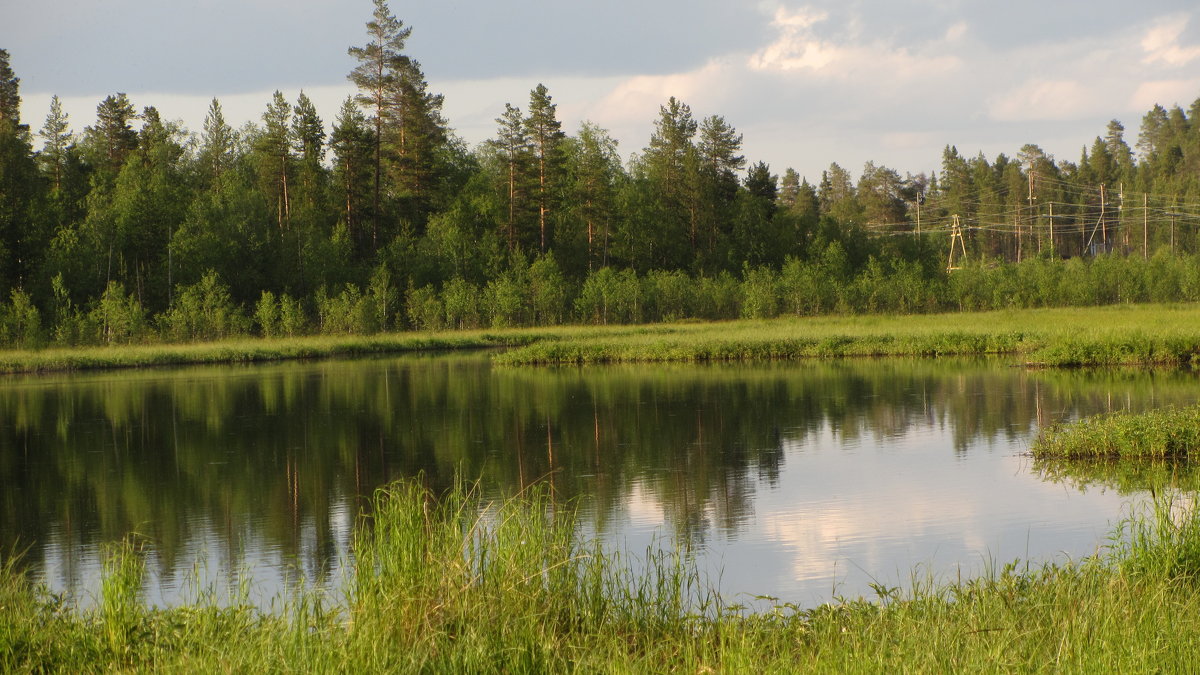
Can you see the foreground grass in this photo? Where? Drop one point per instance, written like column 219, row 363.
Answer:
column 1164, row 434
column 454, row 584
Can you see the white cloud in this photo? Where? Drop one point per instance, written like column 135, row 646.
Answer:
column 798, row 47
column 956, row 32
column 1161, row 42
column 1164, row 92
column 1041, row 99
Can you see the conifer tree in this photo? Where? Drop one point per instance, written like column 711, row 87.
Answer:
column 112, row 139
column 717, row 148
column 275, row 157
column 10, row 97
column 217, row 142
column 353, row 146
column 415, row 140
column 21, row 241
column 308, row 142
column 409, row 129
column 546, row 137
column 58, row 139
column 670, row 163
column 594, row 168
column 513, row 145
column 380, row 63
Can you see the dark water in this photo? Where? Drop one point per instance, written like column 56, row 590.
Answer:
column 800, row 481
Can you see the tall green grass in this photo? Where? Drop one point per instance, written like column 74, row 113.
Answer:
column 455, row 583
column 1162, row 335
column 251, row 350
column 1130, row 335
column 1164, row 434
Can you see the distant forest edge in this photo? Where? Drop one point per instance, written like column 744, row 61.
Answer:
column 121, row 234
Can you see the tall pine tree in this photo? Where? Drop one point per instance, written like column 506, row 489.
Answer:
column 546, row 136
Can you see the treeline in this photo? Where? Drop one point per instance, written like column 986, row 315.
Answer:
column 136, row 228
column 539, row 294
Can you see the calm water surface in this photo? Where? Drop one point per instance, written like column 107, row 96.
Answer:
column 800, row 481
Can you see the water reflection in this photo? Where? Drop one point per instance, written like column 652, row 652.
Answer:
column 781, row 472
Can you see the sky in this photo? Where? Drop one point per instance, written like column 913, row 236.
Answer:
column 806, row 83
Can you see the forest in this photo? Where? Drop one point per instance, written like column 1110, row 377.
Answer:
column 136, row 229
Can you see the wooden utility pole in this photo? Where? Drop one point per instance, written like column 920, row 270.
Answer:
column 1145, row 226
column 1033, row 214
column 1099, row 225
column 1121, row 218
column 1103, row 225
column 956, row 236
column 1053, row 252
column 918, row 216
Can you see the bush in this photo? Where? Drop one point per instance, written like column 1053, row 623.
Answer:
column 425, row 311
column 668, row 295
column 347, row 313
column 118, row 318
column 20, row 322
column 460, row 299
column 760, row 295
column 504, row 301
column 203, row 311
column 547, row 291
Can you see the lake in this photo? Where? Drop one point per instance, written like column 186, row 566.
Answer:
column 803, row 481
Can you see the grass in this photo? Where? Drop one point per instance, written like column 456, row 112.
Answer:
column 1107, row 336
column 251, row 349
column 1163, row 434
column 452, row 583
column 1161, row 335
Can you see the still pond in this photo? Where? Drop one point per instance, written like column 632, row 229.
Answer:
column 803, row 481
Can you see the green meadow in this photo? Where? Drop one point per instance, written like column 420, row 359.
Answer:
column 1158, row 335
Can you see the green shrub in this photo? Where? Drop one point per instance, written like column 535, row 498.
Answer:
column 203, row 311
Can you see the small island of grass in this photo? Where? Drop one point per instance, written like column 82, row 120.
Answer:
column 1165, row 434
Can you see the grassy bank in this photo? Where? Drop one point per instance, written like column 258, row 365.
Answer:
column 452, row 584
column 252, row 349
column 1161, row 335
column 1108, row 336
column 1165, row 434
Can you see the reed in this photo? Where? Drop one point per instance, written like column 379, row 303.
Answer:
column 1163, row 434
column 251, row 350
column 454, row 582
column 1132, row 335
column 1162, row 335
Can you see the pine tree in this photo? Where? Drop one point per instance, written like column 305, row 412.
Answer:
column 513, row 145
column 838, row 197
column 10, row 97
column 879, row 194
column 546, row 137
column 415, row 141
column 274, row 151
column 670, row 168
column 1154, row 134
column 56, row 133
column 353, row 146
column 717, row 183
column 381, row 63
column 410, row 133
column 1114, row 142
column 308, row 142
column 22, row 243
column 217, row 143
column 594, row 168
column 146, row 209
column 112, row 139
column 789, row 188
